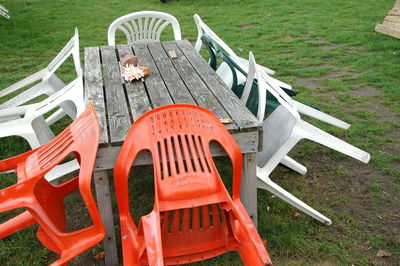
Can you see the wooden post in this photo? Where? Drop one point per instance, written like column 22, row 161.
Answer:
column 105, row 208
column 248, row 187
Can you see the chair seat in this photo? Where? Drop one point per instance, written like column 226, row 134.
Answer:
column 187, row 186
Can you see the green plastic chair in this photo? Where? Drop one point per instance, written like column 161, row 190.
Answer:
column 252, row 103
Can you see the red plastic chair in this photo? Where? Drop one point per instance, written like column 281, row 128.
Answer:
column 194, row 218
column 44, row 201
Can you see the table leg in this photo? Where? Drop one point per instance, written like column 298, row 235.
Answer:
column 105, row 208
column 248, row 187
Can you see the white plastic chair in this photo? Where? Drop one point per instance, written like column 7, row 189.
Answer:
column 283, row 129
column 33, row 126
column 49, row 82
column 223, row 70
column 260, row 97
column 143, row 27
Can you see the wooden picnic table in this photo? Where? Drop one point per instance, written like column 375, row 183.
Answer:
column 185, row 79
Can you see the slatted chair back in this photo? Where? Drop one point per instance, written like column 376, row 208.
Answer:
column 194, row 217
column 43, row 201
column 143, row 27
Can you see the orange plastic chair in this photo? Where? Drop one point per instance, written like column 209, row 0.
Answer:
column 193, row 218
column 44, row 201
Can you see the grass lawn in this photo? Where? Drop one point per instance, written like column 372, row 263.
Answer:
column 327, row 50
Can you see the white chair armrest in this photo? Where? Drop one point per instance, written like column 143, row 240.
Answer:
column 24, row 82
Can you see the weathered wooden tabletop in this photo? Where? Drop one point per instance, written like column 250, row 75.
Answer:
column 185, row 79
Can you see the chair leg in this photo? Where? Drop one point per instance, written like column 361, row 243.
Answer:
column 62, row 169
column 267, row 184
column 57, row 115
column 16, row 224
column 152, row 235
column 313, row 133
column 292, row 164
column 314, row 113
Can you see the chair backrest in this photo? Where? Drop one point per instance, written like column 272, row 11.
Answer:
column 180, row 133
column 71, row 48
column 44, row 200
column 202, row 29
column 143, row 27
column 256, row 95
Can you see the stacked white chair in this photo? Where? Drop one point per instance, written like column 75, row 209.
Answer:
column 143, row 27
column 29, row 120
column 235, row 66
column 33, row 127
column 283, row 129
column 48, row 83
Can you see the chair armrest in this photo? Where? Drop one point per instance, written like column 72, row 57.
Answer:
column 24, row 82
column 14, row 111
column 11, row 163
column 245, row 62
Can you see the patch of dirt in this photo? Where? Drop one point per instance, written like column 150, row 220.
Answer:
column 366, row 92
column 338, row 75
column 320, row 66
column 310, row 83
column 288, row 38
column 366, row 213
column 358, row 49
column 326, row 96
column 382, row 113
column 247, row 26
column 287, row 54
column 316, row 41
column 330, row 46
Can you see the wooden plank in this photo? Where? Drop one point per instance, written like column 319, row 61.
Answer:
column 117, row 109
column 94, row 88
column 239, row 113
column 137, row 97
column 155, row 86
column 172, row 80
column 106, row 156
column 196, row 86
column 394, row 19
column 392, row 25
column 389, row 31
column 248, row 186
column 105, row 209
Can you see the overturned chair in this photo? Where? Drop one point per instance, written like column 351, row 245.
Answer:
column 43, row 201
column 194, row 217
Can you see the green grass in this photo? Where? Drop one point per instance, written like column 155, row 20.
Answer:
column 309, row 39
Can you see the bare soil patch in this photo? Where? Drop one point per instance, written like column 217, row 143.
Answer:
column 366, row 92
column 310, row 83
column 247, row 26
column 338, row 75
column 371, row 211
column 330, row 46
column 316, row 41
column 288, row 38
